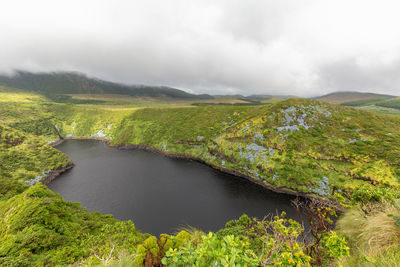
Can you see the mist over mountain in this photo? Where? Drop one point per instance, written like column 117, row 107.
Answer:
column 63, row 83
column 54, row 83
column 285, row 47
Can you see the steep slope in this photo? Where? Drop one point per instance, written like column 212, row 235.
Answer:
column 37, row 228
column 60, row 83
column 35, row 114
column 27, row 158
column 298, row 145
column 316, row 148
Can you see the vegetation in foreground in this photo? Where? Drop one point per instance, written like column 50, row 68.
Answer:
column 347, row 157
column 372, row 228
column 39, row 228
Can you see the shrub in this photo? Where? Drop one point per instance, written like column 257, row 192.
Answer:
column 334, row 245
column 281, row 246
column 181, row 238
column 148, row 251
column 213, row 251
column 370, row 193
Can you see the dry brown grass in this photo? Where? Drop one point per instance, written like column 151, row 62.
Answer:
column 374, row 238
column 380, row 231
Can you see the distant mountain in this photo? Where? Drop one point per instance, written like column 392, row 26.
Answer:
column 261, row 97
column 228, row 96
column 348, row 97
column 61, row 83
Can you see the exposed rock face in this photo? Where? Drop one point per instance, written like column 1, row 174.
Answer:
column 52, row 174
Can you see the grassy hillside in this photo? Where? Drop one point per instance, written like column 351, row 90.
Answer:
column 381, row 110
column 392, row 103
column 353, row 97
column 25, row 157
column 37, row 227
column 35, row 114
column 384, row 104
column 298, row 145
column 62, row 83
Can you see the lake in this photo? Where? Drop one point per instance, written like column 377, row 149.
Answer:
column 160, row 194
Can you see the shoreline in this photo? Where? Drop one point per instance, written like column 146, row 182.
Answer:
column 60, row 141
column 54, row 173
column 280, row 190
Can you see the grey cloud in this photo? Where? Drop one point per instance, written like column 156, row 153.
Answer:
column 349, row 75
column 226, row 46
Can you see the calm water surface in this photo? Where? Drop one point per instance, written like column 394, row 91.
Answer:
column 157, row 193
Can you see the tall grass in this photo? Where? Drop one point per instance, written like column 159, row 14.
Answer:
column 374, row 238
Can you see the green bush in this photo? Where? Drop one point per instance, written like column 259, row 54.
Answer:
column 37, row 227
column 370, row 193
column 334, row 245
column 213, row 251
column 149, row 248
column 181, row 239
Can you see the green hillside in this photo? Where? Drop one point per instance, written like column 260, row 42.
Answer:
column 62, row 83
column 38, row 227
column 352, row 97
column 27, row 157
column 384, row 104
column 391, row 103
column 340, row 149
column 297, row 145
column 343, row 156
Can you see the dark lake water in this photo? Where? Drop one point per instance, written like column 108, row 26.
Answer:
column 160, row 194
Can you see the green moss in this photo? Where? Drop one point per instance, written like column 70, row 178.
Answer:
column 10, row 187
column 25, row 156
column 37, row 227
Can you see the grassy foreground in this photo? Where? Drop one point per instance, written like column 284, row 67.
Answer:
column 347, row 156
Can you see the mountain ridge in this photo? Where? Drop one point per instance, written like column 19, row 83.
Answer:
column 341, row 97
column 62, row 83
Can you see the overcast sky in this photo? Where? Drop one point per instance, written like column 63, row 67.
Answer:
column 297, row 47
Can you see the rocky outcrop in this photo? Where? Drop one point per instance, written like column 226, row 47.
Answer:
column 54, row 173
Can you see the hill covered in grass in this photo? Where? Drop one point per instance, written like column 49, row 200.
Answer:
column 379, row 103
column 39, row 227
column 349, row 97
column 297, row 145
column 57, row 84
column 335, row 153
column 26, row 157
